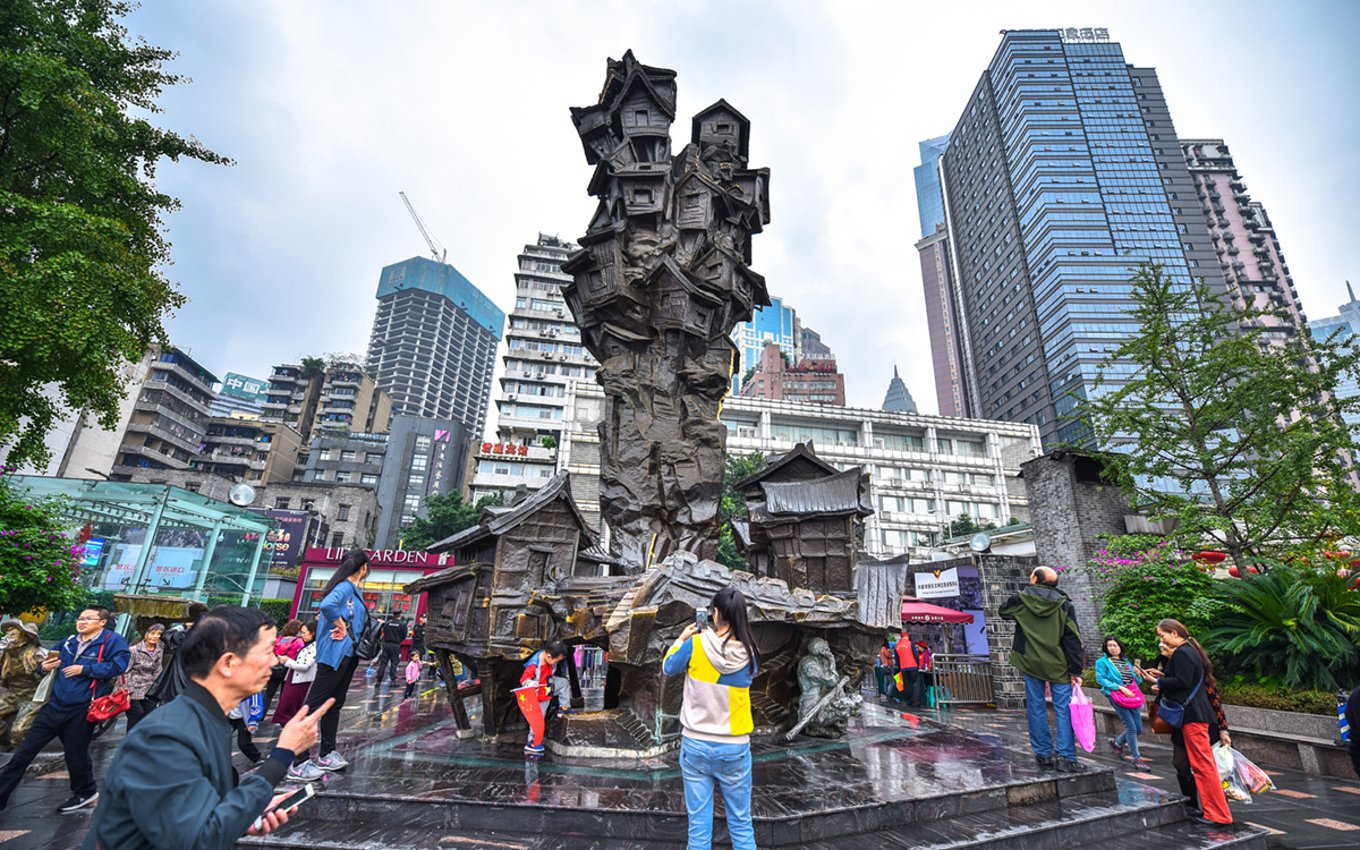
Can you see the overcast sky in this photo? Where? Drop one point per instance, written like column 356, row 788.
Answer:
column 330, row 108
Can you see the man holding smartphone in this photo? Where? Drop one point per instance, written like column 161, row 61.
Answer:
column 171, row 785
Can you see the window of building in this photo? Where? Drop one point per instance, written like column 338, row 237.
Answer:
column 343, row 514
column 326, row 454
column 349, row 455
column 422, row 443
column 416, row 481
column 337, row 539
column 368, row 478
column 420, row 463
column 342, row 476
column 373, row 457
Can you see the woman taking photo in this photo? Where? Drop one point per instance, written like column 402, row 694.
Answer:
column 719, row 663
column 1119, row 679
column 1187, row 679
column 142, row 672
column 342, row 621
column 301, row 671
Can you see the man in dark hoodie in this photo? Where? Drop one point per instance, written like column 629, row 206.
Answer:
column 1048, row 651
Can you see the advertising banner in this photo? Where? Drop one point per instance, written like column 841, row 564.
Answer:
column 938, row 584
column 169, row 567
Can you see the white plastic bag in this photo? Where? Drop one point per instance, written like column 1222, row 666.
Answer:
column 44, row 690
column 1223, row 757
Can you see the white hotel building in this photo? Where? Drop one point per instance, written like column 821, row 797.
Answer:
column 925, row 470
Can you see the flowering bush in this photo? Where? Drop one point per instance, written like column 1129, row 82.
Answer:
column 1146, row 580
column 39, row 564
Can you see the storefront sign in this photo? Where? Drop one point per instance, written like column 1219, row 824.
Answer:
column 282, row 545
column 384, row 558
column 938, row 584
column 504, row 449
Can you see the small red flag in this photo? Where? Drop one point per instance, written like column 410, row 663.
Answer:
column 527, row 699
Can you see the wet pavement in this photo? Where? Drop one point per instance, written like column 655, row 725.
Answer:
column 900, row 780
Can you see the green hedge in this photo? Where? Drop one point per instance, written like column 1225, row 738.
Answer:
column 277, row 608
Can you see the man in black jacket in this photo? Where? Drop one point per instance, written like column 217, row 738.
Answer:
column 393, row 633
column 171, row 785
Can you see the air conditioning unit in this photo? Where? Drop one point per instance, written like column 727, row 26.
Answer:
column 511, row 396
column 561, row 357
column 540, row 374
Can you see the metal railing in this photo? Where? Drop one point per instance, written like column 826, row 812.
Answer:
column 963, row 680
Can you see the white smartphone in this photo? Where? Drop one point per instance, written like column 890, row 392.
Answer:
column 301, row 795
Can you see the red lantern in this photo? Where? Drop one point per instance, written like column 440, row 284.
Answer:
column 1252, row 570
column 1234, row 571
column 1210, row 557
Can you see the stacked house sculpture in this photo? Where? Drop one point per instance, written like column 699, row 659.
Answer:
column 660, row 282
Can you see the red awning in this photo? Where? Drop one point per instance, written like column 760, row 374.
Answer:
column 916, row 611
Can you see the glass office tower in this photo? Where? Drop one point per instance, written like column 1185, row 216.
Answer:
column 1063, row 175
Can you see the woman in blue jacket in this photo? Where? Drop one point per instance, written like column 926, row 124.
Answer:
column 1114, row 672
column 340, row 624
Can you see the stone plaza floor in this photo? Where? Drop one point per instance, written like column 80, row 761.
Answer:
column 407, row 790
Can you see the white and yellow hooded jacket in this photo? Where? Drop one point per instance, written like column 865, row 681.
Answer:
column 717, row 704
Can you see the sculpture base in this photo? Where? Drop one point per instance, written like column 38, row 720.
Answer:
column 896, row 781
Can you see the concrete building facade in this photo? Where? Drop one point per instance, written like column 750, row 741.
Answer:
column 778, row 322
column 1063, row 172
column 813, row 381
column 433, row 346
column 1343, row 328
column 424, row 457
column 169, row 418
column 543, row 357
column 254, row 451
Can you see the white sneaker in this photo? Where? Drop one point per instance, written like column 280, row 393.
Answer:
column 305, row 772
column 332, row 761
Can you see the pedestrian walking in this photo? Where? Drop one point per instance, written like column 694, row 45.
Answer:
column 1186, row 682
column 1118, row 679
column 245, row 719
column 171, row 784
column 172, row 679
column 341, row 624
column 413, row 671
column 1047, row 650
column 719, row 664
column 925, row 671
column 145, row 667
column 288, row 645
column 389, row 660
column 301, row 672
column 85, row 667
column 886, row 668
column 21, row 658
column 418, row 638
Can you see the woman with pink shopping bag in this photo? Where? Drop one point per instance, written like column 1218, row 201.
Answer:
column 1083, row 720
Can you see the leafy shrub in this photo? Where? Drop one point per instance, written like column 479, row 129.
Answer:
column 1275, row 697
column 1146, row 580
column 277, row 608
column 1293, row 624
column 39, row 563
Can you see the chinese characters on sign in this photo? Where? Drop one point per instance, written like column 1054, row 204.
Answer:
column 938, row 584
column 1078, row 35
column 243, row 387
column 504, row 449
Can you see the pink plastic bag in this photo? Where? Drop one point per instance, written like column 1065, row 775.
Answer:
column 1083, row 720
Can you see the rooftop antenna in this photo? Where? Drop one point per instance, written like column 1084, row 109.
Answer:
column 437, row 251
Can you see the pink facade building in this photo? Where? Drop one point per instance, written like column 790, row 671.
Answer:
column 1244, row 239
column 811, row 380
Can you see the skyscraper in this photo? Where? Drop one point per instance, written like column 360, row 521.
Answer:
column 946, row 343
column 776, row 322
column 1063, row 174
column 899, row 398
column 543, row 355
column 434, row 341
column 1249, row 254
column 1344, row 329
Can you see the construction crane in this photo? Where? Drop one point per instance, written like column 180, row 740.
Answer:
column 437, row 251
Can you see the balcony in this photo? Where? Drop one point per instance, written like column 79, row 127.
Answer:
column 168, row 461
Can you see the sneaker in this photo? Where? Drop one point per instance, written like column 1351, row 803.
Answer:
column 1117, row 747
column 77, row 803
column 305, row 772
column 1045, row 762
column 531, row 750
column 1142, row 763
column 332, row 761
column 1069, row 766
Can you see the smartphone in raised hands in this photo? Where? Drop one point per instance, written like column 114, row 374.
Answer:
column 301, row 795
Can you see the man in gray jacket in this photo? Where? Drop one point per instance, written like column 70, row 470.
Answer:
column 171, row 785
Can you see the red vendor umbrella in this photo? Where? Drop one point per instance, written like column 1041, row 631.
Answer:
column 916, row 611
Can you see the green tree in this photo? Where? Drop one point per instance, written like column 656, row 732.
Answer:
column 312, row 366
column 739, row 468
column 444, row 517
column 963, row 524
column 81, row 228
column 1238, row 436
column 39, row 563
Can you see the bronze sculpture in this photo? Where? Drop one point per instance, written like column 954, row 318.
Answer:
column 662, row 278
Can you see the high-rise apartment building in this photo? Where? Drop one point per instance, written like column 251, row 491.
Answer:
column 425, row 457
column 543, row 356
column 434, row 341
column 241, row 395
column 251, row 450
column 336, row 395
column 1249, row 254
column 1063, row 173
column 169, row 419
column 1343, row 328
column 777, row 322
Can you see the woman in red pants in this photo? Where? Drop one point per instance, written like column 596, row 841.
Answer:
column 1186, row 680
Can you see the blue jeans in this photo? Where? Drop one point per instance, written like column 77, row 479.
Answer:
column 1036, row 712
column 1133, row 727
column 704, row 763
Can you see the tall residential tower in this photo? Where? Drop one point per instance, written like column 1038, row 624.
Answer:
column 434, row 342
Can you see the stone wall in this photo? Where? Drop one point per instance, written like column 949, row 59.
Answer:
column 1000, row 576
column 1069, row 505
